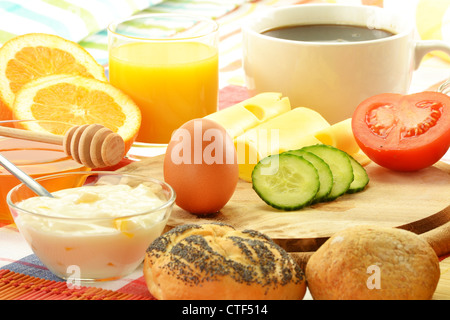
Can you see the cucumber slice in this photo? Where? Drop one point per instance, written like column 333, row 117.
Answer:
column 324, row 171
column 285, row 181
column 340, row 166
column 361, row 178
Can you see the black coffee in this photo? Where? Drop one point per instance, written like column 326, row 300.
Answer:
column 328, row 33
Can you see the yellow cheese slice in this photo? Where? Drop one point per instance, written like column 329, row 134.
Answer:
column 266, row 124
column 340, row 135
column 251, row 112
column 361, row 157
column 290, row 130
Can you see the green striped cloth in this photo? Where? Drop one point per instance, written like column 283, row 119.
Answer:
column 97, row 44
column 71, row 19
column 85, row 21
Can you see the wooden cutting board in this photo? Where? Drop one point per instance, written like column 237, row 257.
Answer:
column 417, row 201
column 443, row 288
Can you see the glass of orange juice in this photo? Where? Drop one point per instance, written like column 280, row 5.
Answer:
column 168, row 64
column 34, row 158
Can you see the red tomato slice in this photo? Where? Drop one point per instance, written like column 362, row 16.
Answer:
column 403, row 132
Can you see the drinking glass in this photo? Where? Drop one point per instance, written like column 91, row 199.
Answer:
column 168, row 64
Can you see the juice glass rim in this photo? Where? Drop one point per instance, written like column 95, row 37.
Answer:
column 113, row 25
column 167, row 202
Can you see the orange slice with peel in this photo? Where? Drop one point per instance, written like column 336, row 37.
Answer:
column 77, row 100
column 31, row 56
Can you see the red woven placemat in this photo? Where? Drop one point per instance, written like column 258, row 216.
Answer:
column 17, row 286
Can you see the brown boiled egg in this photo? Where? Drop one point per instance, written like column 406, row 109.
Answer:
column 201, row 165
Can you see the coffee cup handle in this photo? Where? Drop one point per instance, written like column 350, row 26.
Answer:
column 425, row 46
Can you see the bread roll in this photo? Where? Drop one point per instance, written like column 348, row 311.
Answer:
column 373, row 263
column 215, row 261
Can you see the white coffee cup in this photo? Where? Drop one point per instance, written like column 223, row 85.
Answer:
column 332, row 78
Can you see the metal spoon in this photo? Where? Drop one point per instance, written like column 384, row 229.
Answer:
column 25, row 178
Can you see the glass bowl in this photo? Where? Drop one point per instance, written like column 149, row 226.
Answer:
column 102, row 230
column 35, row 158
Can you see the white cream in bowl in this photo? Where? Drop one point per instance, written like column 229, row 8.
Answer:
column 100, row 230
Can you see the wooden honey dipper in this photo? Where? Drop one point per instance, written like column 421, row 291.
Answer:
column 92, row 145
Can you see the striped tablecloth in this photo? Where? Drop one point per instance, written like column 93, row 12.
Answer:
column 22, row 275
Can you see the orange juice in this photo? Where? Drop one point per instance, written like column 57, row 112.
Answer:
column 36, row 159
column 171, row 82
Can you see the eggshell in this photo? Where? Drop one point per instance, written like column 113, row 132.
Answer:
column 201, row 165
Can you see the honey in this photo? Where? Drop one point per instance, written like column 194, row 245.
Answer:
column 36, row 159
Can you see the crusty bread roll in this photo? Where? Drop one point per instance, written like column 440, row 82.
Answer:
column 215, row 261
column 373, row 263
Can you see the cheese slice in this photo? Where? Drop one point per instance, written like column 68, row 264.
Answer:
column 251, row 112
column 289, row 131
column 340, row 135
column 266, row 124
